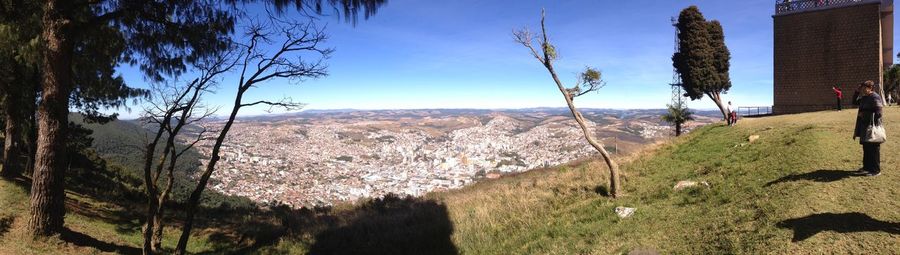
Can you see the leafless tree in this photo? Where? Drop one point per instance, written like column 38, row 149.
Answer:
column 588, row 81
column 176, row 104
column 271, row 49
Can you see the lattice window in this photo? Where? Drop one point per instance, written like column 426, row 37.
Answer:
column 792, row 6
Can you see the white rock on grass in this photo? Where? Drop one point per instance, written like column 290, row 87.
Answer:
column 625, row 212
column 689, row 184
column 753, row 138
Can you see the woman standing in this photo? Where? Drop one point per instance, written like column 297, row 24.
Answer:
column 870, row 106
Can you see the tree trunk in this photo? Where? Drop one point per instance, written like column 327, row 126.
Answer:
column 186, row 109
column 147, row 230
column 716, row 98
column 677, row 129
column 156, row 242
column 614, row 184
column 150, row 189
column 194, row 200
column 614, row 189
column 48, row 185
column 15, row 152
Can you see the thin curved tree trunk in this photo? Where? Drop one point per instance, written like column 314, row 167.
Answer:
column 156, row 239
column 147, row 230
column 150, row 188
column 156, row 244
column 194, row 200
column 525, row 38
column 48, row 185
column 716, row 98
column 154, row 198
column 614, row 184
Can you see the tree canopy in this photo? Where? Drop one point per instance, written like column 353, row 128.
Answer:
column 721, row 57
column 678, row 114
column 703, row 57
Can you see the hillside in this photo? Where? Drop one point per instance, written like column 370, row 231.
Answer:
column 789, row 192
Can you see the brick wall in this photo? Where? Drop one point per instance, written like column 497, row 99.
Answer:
column 819, row 49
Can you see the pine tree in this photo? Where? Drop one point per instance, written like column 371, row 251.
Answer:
column 18, row 79
column 123, row 31
column 702, row 60
column 190, row 32
column 721, row 56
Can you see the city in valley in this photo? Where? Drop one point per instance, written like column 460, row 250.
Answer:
column 321, row 157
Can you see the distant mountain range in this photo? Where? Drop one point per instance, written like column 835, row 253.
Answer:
column 462, row 111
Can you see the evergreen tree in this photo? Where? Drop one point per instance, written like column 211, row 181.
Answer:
column 702, row 60
column 191, row 30
column 18, row 79
column 721, row 56
column 96, row 85
column 68, row 31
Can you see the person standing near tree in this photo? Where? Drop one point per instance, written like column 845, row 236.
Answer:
column 840, row 96
column 731, row 114
column 870, row 109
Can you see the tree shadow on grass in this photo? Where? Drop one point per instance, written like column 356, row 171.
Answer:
column 5, row 225
column 810, row 225
column 245, row 239
column 816, row 176
column 602, row 190
column 391, row 225
column 126, row 221
column 83, row 240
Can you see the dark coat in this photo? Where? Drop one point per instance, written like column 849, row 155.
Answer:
column 869, row 106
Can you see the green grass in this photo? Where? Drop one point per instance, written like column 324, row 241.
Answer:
column 787, row 193
column 95, row 227
column 759, row 196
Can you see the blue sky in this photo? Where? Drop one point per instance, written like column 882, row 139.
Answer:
column 460, row 54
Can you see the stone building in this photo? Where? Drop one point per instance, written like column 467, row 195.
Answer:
column 825, row 43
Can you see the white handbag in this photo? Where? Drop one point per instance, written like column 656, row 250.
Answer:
column 875, row 133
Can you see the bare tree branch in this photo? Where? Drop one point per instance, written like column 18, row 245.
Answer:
column 525, row 37
column 299, row 56
column 286, row 103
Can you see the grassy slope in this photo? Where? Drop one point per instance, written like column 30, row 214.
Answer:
column 104, row 215
column 787, row 193
column 95, row 227
column 791, row 180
